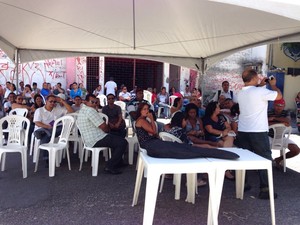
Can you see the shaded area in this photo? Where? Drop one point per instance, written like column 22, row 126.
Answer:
column 75, row 197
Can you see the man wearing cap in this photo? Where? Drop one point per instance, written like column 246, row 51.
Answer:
column 253, row 121
column 279, row 115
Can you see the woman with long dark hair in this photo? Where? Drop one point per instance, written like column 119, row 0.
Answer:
column 218, row 129
column 216, row 126
column 194, row 127
column 147, row 136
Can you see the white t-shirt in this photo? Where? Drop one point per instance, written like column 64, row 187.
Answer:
column 253, row 103
column 125, row 95
column 110, row 87
column 7, row 92
column 46, row 117
column 226, row 95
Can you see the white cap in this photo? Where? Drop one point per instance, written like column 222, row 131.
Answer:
column 62, row 96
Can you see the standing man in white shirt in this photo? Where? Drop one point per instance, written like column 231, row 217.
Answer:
column 110, row 87
column 225, row 92
column 253, row 120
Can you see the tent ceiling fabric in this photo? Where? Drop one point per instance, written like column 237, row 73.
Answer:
column 185, row 32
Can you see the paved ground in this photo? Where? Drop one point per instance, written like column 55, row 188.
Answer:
column 75, row 197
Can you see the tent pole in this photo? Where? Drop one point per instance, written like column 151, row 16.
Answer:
column 16, row 69
column 134, row 68
column 201, row 71
column 133, row 18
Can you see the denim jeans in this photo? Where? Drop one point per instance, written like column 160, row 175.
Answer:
column 118, row 146
column 45, row 137
column 257, row 142
column 166, row 108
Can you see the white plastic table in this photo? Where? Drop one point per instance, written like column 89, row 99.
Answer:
column 247, row 161
column 155, row 167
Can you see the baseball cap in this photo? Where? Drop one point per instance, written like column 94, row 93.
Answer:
column 62, row 96
column 279, row 102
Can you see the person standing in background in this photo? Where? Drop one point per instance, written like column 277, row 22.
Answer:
column 253, row 121
column 110, row 86
column 224, row 91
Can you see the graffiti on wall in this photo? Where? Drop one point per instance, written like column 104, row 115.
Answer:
column 80, row 69
column 6, row 68
column 51, row 70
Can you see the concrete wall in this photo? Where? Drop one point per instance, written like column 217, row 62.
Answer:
column 230, row 69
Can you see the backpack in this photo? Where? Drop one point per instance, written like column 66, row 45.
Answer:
column 219, row 93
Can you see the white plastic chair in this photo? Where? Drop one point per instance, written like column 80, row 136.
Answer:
column 280, row 140
column 17, row 139
column 103, row 100
column 147, row 96
column 132, row 142
column 171, row 100
column 19, row 112
column 34, row 145
column 95, row 152
column 74, row 136
column 123, row 107
column 55, row 149
column 165, row 136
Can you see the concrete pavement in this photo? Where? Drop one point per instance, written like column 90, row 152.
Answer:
column 75, row 197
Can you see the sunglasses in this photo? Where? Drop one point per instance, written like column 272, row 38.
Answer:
column 93, row 102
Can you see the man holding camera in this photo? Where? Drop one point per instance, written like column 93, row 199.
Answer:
column 253, row 120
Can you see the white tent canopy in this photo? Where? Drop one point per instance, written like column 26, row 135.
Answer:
column 191, row 33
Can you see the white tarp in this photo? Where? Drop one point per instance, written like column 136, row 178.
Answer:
column 182, row 32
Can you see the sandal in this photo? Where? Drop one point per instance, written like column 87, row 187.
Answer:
column 201, row 183
column 278, row 165
column 229, row 176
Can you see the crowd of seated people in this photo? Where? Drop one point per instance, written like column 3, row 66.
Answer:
column 213, row 126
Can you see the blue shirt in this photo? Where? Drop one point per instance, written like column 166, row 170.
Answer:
column 73, row 94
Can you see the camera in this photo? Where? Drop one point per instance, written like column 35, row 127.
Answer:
column 270, row 78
